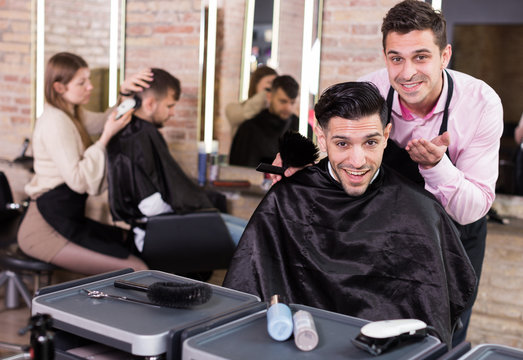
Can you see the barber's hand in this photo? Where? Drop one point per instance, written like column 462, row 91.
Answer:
column 288, row 172
column 113, row 126
column 428, row 153
column 137, row 82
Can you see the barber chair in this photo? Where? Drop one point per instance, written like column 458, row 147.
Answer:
column 13, row 262
column 190, row 243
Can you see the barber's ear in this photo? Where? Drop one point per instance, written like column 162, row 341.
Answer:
column 59, row 87
column 320, row 135
column 446, row 54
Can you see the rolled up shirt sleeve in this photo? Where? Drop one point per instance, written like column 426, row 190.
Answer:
column 467, row 188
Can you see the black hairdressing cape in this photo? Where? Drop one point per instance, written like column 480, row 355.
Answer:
column 390, row 253
column 257, row 139
column 139, row 165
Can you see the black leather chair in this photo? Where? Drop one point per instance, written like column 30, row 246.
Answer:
column 183, row 244
column 13, row 262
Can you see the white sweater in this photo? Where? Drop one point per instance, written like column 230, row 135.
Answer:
column 60, row 156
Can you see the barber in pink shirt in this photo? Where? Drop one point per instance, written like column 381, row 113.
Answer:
column 446, row 125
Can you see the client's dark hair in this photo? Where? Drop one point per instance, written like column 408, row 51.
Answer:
column 162, row 82
column 350, row 100
column 287, row 84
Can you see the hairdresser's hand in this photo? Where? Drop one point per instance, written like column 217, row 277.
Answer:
column 113, row 126
column 137, row 82
column 428, row 153
column 288, row 172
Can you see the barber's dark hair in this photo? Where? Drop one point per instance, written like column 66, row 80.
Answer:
column 162, row 82
column 410, row 15
column 257, row 75
column 350, row 100
column 287, row 84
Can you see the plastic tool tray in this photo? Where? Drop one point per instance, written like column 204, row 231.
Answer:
column 247, row 338
column 493, row 352
column 135, row 328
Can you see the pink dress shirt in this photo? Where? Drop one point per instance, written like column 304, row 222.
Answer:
column 465, row 183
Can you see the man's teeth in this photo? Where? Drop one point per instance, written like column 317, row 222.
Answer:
column 358, row 173
column 408, row 86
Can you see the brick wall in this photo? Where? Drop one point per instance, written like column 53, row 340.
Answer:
column 80, row 27
column 291, row 39
column 165, row 34
column 15, row 75
column 351, row 42
column 229, row 48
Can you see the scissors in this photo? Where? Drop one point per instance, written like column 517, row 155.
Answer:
column 97, row 294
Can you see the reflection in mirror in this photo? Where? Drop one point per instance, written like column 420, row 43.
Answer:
column 89, row 29
column 260, row 39
column 289, row 21
column 261, row 50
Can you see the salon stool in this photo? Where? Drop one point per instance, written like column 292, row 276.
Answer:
column 15, row 265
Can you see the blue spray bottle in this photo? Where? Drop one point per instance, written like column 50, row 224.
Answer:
column 279, row 319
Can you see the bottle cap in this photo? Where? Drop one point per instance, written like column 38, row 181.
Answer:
column 274, row 300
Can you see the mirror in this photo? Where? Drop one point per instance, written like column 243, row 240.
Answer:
column 90, row 29
column 295, row 39
column 260, row 40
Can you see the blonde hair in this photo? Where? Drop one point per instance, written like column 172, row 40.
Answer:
column 62, row 67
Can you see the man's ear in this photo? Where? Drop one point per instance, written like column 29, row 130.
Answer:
column 269, row 97
column 446, row 54
column 386, row 133
column 148, row 104
column 320, row 135
column 59, row 87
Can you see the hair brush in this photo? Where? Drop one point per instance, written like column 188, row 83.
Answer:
column 295, row 151
column 171, row 294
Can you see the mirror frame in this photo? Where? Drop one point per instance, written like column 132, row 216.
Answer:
column 310, row 58
column 248, row 28
column 311, row 52
column 310, row 61
column 117, row 26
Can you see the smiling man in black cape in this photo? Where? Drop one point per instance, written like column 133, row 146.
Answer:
column 350, row 235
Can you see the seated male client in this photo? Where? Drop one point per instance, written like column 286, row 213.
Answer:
column 144, row 178
column 350, row 235
column 257, row 139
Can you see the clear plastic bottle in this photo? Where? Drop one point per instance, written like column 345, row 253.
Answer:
column 305, row 334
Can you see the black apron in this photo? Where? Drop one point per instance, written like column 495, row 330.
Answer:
column 473, row 236
column 64, row 210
